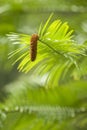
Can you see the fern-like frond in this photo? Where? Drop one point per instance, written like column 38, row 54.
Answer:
column 31, row 106
column 55, row 51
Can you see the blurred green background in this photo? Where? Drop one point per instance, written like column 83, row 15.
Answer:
column 25, row 16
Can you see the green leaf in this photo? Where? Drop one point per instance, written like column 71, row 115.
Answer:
column 45, row 26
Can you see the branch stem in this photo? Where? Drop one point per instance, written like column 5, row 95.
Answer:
column 51, row 47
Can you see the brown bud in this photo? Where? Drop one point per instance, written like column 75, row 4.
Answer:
column 33, row 46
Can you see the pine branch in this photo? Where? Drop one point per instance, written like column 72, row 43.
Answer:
column 62, row 107
column 55, row 50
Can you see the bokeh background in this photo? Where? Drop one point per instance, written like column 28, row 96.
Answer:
column 25, row 16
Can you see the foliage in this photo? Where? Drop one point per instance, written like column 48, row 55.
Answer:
column 33, row 107
column 60, row 62
column 56, row 50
